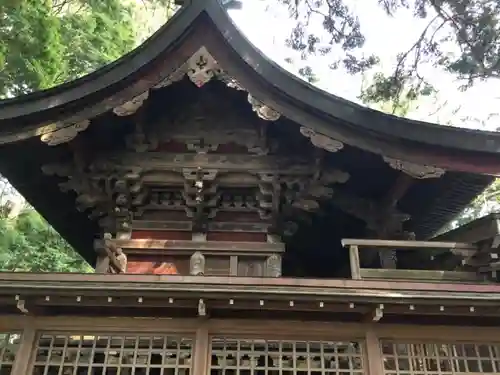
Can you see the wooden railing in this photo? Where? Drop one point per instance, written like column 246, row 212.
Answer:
column 468, row 253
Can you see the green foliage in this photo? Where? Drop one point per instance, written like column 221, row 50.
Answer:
column 461, row 36
column 29, row 243
column 47, row 42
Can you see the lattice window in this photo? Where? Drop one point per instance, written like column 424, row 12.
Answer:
column 9, row 344
column 261, row 357
column 113, row 355
column 435, row 359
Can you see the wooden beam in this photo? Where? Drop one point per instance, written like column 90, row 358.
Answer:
column 203, row 246
column 398, row 190
column 187, row 226
column 98, row 284
column 159, row 161
column 398, row 274
column 455, row 247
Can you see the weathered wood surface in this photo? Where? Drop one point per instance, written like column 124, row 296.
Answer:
column 39, row 281
column 213, row 226
column 431, row 275
column 465, row 250
column 203, row 246
column 461, row 247
column 158, row 161
column 481, row 229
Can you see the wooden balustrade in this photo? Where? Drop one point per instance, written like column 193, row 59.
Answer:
column 470, row 254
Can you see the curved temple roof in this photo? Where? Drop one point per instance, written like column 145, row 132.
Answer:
column 206, row 24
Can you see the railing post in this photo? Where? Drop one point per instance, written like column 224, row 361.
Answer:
column 354, row 261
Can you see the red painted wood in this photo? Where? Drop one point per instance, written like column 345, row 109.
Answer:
column 155, row 268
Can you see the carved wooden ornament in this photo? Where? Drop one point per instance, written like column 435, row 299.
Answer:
column 415, row 170
column 321, row 141
column 263, row 111
column 130, row 107
column 64, row 134
column 202, row 67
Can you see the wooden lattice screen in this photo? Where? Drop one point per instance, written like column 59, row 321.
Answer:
column 113, row 355
column 9, row 344
column 264, row 357
column 402, row 358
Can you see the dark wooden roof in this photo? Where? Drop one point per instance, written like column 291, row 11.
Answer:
column 205, row 23
column 469, row 156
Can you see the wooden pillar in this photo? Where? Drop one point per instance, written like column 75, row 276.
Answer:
column 373, row 353
column 24, row 356
column 200, row 353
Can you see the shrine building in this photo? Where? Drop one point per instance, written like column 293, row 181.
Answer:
column 243, row 222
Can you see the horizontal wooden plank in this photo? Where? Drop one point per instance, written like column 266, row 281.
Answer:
column 360, row 290
column 216, row 226
column 203, row 246
column 467, row 247
column 159, row 161
column 431, row 275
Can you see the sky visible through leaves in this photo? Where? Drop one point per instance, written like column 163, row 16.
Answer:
column 477, row 107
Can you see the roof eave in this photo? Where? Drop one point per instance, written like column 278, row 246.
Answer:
column 419, row 142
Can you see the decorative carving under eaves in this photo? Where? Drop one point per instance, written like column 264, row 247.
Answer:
column 321, row 140
column 207, row 124
column 415, row 170
column 60, row 133
column 130, row 107
column 202, row 67
column 108, row 194
column 263, row 111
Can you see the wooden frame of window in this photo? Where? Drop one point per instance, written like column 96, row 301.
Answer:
column 203, row 331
